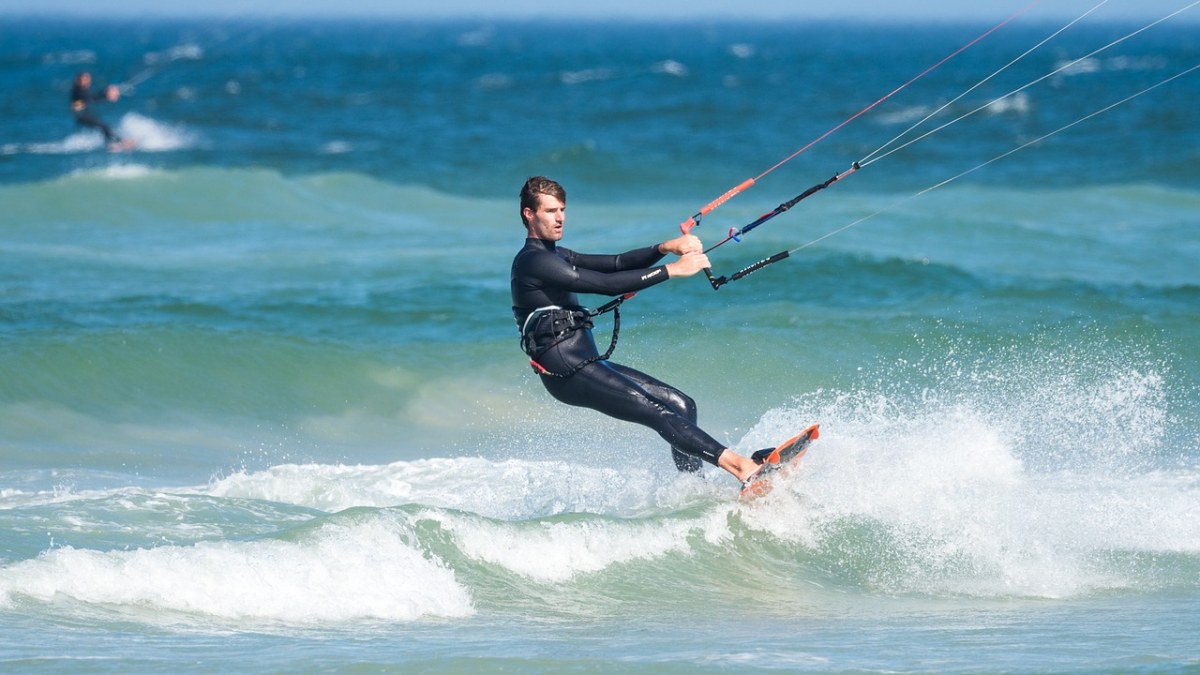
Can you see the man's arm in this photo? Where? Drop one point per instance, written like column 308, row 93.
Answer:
column 556, row 272
column 638, row 258
column 104, row 95
column 568, row 275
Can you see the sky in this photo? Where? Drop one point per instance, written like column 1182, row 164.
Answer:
column 982, row 10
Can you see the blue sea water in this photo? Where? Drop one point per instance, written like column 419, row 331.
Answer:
column 262, row 407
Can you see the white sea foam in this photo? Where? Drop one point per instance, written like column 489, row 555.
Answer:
column 1018, row 104
column 154, row 136
column 341, row 572
column 508, row 489
column 587, row 75
column 1028, row 485
column 670, row 67
column 150, row 135
column 81, row 141
column 557, row 551
column 336, row 148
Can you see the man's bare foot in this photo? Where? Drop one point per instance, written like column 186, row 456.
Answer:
column 741, row 467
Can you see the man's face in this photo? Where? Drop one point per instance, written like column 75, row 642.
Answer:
column 547, row 221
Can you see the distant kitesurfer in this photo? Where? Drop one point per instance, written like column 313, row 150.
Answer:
column 556, row 331
column 81, row 100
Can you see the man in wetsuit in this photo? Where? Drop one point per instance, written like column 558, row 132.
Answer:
column 556, row 329
column 81, row 99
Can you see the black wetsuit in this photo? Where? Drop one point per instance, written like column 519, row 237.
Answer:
column 81, row 98
column 544, row 276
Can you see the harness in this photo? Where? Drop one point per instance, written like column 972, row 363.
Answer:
column 556, row 324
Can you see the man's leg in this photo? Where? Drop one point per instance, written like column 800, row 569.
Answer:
column 607, row 388
column 675, row 400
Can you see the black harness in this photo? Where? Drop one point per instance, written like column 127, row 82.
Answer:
column 549, row 326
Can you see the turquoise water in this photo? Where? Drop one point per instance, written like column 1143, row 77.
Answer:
column 262, row 407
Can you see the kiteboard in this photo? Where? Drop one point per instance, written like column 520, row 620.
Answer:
column 123, row 145
column 779, row 463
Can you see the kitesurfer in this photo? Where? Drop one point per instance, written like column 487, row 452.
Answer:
column 556, row 330
column 81, row 99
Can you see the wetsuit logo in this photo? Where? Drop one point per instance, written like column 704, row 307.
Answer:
column 652, row 274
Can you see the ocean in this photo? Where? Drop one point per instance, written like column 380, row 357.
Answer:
column 263, row 409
